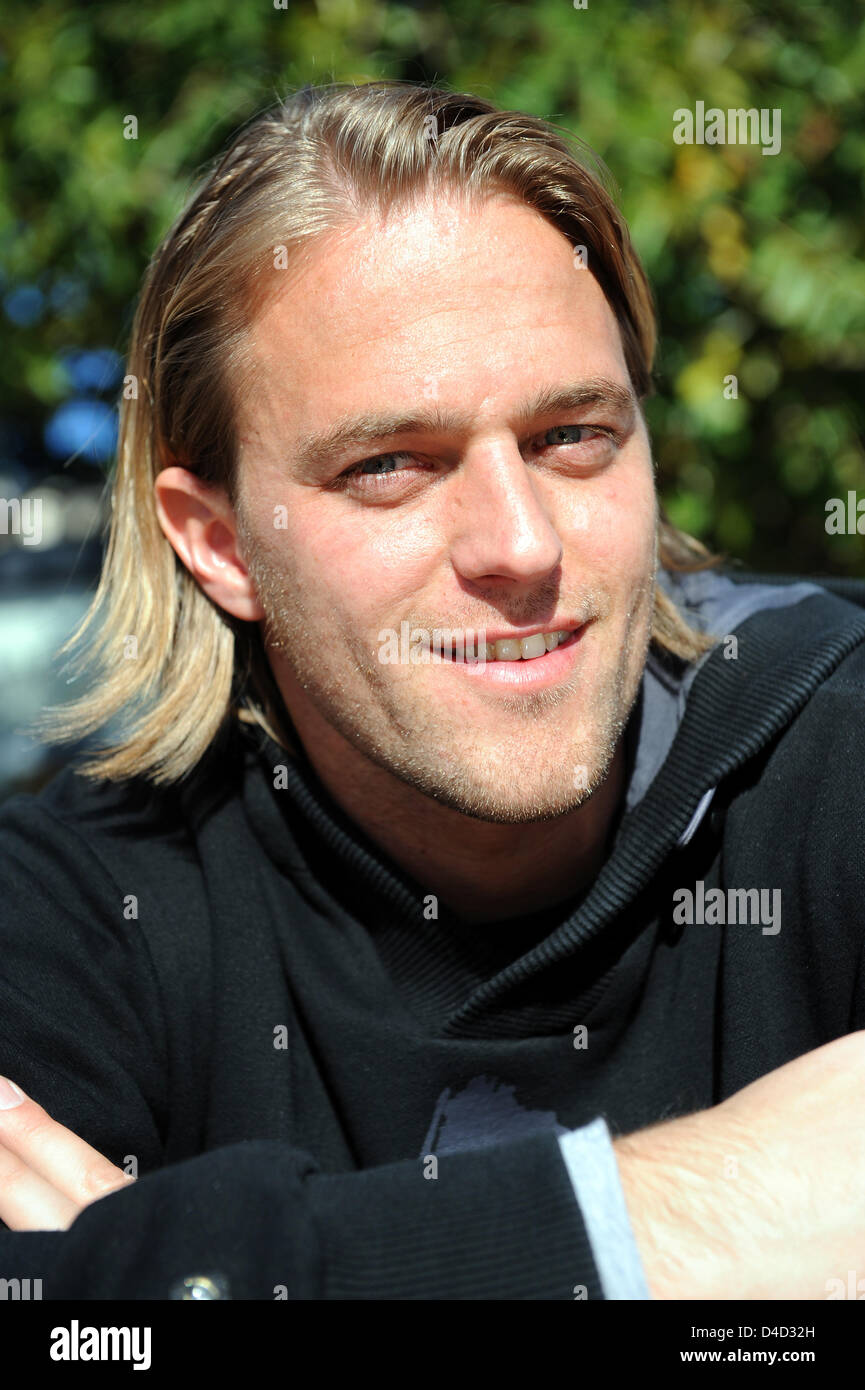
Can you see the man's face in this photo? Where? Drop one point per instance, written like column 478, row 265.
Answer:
column 508, row 516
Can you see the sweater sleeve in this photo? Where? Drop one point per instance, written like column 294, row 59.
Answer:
column 257, row 1221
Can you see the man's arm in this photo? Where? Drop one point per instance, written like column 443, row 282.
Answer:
column 259, row 1222
column 762, row 1196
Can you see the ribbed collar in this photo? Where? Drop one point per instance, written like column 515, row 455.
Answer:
column 437, row 963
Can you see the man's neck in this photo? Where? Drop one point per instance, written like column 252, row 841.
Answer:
column 483, row 871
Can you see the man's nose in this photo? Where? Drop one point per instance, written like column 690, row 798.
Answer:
column 501, row 527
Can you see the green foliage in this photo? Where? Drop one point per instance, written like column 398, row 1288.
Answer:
column 756, row 260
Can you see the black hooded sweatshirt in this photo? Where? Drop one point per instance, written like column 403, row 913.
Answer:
column 331, row 1088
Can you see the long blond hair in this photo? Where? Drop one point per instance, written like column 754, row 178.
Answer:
column 169, row 666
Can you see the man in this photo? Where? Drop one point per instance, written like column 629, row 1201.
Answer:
column 453, row 816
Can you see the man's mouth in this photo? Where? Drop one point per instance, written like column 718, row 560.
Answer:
column 511, row 648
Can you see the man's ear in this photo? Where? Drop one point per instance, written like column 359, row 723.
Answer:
column 199, row 521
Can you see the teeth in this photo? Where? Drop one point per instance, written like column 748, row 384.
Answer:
column 533, row 646
column 515, row 648
column 525, row 648
column 507, row 650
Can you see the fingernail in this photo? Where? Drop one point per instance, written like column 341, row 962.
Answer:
column 10, row 1094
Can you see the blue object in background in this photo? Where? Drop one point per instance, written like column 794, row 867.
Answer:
column 84, row 427
column 24, row 305
column 92, row 369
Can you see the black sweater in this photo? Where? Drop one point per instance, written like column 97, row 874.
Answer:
column 228, row 982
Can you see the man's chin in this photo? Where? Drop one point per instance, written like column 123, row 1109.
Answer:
column 506, row 801
column 499, row 812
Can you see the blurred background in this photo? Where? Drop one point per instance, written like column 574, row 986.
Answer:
column 756, row 260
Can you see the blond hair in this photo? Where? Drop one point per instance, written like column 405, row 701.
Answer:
column 308, row 166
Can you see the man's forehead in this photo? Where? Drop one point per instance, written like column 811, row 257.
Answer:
column 433, row 256
column 496, row 293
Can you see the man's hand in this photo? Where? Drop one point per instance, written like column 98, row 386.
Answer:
column 762, row 1196
column 47, row 1174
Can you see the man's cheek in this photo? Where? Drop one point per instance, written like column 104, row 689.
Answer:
column 631, row 557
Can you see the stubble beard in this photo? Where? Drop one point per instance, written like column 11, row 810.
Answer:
column 507, row 782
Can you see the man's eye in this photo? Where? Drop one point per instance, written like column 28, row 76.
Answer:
column 560, row 434
column 374, row 472
column 377, row 467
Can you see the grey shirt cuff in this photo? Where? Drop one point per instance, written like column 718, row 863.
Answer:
column 591, row 1163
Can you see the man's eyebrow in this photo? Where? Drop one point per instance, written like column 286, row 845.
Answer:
column 316, row 449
